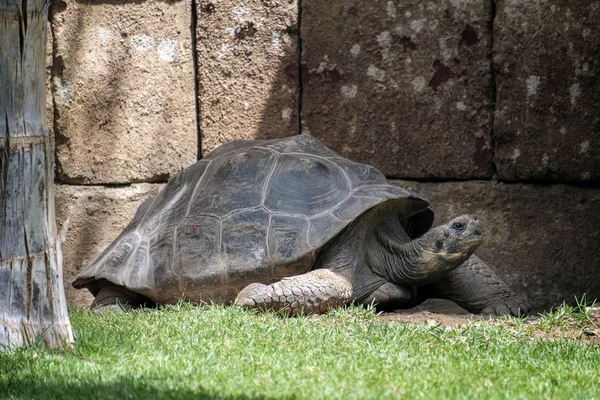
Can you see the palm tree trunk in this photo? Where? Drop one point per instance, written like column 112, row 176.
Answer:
column 32, row 299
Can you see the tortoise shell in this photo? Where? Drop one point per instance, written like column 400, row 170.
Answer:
column 251, row 211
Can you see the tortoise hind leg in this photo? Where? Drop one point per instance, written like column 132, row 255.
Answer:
column 312, row 293
column 111, row 295
column 475, row 287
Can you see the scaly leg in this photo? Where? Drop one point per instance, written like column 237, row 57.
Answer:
column 475, row 287
column 312, row 293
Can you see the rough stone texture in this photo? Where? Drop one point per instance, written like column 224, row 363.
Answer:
column 543, row 240
column 405, row 86
column 123, row 86
column 547, row 68
column 247, row 70
column 98, row 215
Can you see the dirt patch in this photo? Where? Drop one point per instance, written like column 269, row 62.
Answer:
column 434, row 312
column 447, row 314
column 570, row 327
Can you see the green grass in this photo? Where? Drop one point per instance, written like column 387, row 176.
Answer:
column 216, row 352
column 579, row 321
column 567, row 316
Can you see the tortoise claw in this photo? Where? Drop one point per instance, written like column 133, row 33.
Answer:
column 514, row 306
column 250, row 295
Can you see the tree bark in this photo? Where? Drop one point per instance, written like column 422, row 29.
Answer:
column 32, row 299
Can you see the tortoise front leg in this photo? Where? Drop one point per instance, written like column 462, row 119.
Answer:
column 312, row 293
column 475, row 287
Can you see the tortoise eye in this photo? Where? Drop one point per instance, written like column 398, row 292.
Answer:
column 459, row 226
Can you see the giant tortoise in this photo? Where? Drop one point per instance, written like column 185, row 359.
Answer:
column 290, row 225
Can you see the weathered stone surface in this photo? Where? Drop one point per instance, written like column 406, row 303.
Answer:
column 123, row 89
column 547, row 68
column 98, row 215
column 49, row 102
column 405, row 86
column 247, row 70
column 542, row 240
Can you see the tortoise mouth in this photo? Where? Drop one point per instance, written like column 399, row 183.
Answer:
column 467, row 243
column 472, row 240
column 474, row 236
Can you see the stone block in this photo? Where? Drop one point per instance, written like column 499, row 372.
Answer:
column 123, row 88
column 98, row 215
column 547, row 69
column 542, row 240
column 247, row 70
column 405, row 86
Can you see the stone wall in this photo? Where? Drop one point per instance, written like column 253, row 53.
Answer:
column 486, row 107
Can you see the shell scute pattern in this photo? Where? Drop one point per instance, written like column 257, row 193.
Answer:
column 163, row 280
column 198, row 244
column 302, row 144
column 287, row 238
column 361, row 174
column 113, row 260
column 233, row 182
column 137, row 275
column 305, row 185
column 244, row 246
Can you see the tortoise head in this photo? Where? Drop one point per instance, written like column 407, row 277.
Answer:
column 452, row 243
column 429, row 257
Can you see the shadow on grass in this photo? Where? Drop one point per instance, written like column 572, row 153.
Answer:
column 141, row 388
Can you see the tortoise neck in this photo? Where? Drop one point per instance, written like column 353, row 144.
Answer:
column 345, row 254
column 398, row 258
